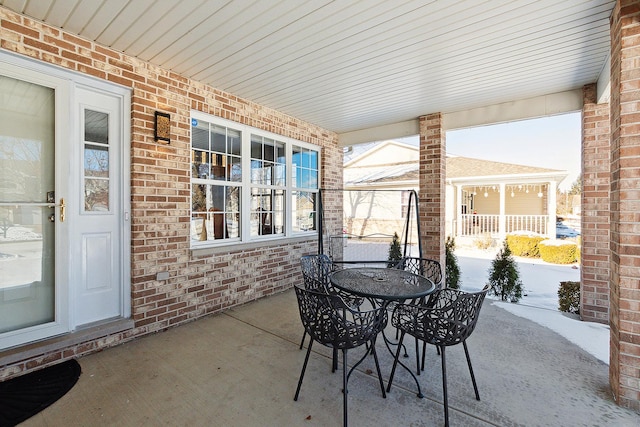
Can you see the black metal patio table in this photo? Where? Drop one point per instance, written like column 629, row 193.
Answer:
column 383, row 286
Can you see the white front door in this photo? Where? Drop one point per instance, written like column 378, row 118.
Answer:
column 97, row 218
column 64, row 202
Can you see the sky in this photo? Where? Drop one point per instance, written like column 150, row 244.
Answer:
column 550, row 142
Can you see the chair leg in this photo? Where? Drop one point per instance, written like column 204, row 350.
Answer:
column 334, row 364
column 424, row 352
column 473, row 377
column 344, row 386
column 395, row 361
column 444, row 388
column 375, row 358
column 417, row 356
column 304, row 367
column 302, row 340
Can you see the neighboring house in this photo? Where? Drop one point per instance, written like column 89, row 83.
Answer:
column 481, row 196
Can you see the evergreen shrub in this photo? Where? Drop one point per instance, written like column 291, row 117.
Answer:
column 569, row 297
column 395, row 252
column 452, row 270
column 504, row 277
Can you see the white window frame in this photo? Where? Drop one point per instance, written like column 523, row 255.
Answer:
column 245, row 184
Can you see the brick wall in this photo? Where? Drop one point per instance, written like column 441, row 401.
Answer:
column 596, row 151
column 160, row 189
column 432, row 186
column 624, row 367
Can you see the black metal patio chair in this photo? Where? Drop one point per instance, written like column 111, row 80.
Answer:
column 432, row 270
column 449, row 319
column 315, row 273
column 330, row 322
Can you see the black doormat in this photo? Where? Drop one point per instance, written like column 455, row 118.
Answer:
column 23, row 397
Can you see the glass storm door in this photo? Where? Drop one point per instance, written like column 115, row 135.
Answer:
column 29, row 210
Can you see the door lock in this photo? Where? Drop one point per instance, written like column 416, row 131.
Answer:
column 52, row 217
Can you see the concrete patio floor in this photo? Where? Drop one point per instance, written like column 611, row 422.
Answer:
column 240, row 368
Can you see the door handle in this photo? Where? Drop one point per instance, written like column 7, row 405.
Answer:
column 62, row 206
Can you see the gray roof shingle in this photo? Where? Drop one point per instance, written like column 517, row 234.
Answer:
column 457, row 167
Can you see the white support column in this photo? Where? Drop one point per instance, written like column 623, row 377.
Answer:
column 502, row 221
column 551, row 209
column 458, row 211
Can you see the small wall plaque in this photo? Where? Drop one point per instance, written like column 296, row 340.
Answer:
column 162, row 131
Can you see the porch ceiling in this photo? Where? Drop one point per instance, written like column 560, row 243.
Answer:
column 348, row 66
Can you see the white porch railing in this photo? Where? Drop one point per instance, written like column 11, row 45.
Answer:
column 536, row 223
column 476, row 224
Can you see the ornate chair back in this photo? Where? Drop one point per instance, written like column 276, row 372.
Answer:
column 315, row 270
column 328, row 321
column 426, row 267
column 452, row 316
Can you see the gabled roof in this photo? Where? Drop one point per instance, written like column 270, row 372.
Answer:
column 404, row 172
column 358, row 171
column 383, row 153
column 466, row 167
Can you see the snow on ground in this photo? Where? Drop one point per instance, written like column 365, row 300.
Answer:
column 540, row 301
column 18, row 233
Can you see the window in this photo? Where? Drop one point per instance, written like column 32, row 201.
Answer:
column 96, row 161
column 305, row 181
column 268, row 184
column 248, row 184
column 216, row 180
column 405, row 197
column 467, row 204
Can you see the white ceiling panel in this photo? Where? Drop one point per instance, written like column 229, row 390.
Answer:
column 359, row 64
column 163, row 26
column 39, row 11
column 55, row 12
column 118, row 15
column 82, row 15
